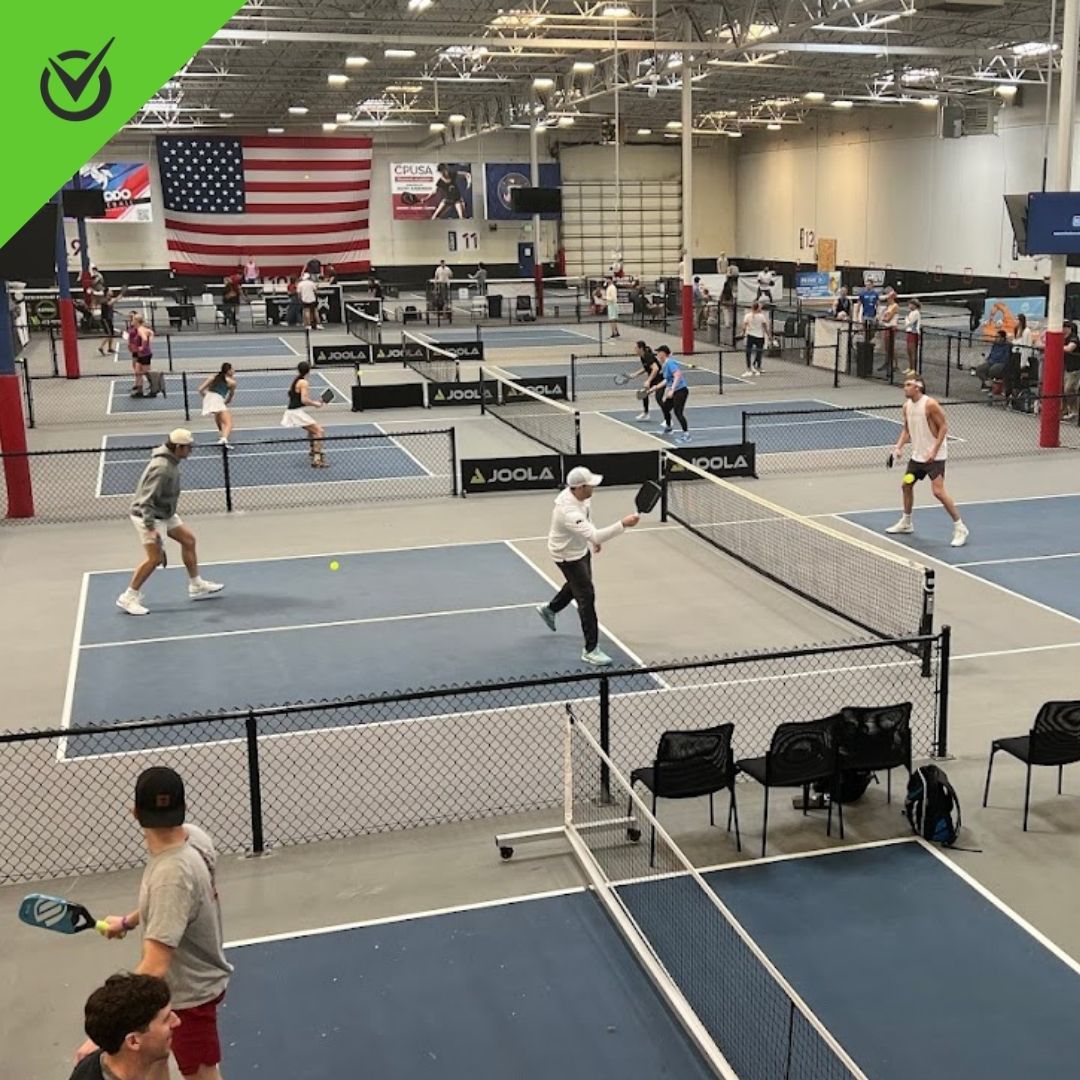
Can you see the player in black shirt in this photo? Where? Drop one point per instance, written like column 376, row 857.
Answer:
column 449, row 190
column 651, row 377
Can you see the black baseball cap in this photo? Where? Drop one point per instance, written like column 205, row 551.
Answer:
column 159, row 798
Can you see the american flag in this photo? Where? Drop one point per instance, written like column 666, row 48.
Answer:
column 281, row 200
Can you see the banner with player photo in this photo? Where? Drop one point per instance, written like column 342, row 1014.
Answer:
column 500, row 180
column 422, row 191
column 1001, row 313
column 126, row 185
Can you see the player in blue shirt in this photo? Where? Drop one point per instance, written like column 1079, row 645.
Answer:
column 868, row 301
column 676, row 391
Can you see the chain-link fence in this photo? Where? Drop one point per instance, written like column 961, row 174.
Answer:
column 798, row 440
column 250, row 474
column 273, row 776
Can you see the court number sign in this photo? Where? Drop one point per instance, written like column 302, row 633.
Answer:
column 462, row 240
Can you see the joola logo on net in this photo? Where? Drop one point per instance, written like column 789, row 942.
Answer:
column 719, row 461
column 458, row 394
column 521, row 474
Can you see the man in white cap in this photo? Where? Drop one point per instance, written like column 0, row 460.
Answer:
column 572, row 540
column 153, row 513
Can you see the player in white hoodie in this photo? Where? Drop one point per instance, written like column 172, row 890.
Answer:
column 571, row 540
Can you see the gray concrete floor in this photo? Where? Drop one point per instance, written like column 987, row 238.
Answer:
column 1009, row 656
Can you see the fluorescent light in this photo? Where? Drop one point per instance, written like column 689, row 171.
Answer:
column 733, row 134
column 583, row 67
column 774, row 127
column 436, row 127
column 456, row 118
column 616, row 11
column 671, row 134
column 540, row 128
column 675, row 61
column 1033, row 48
column 343, row 117
column 275, row 131
column 644, row 131
column 814, row 95
column 226, row 115
column 356, row 61
column 566, row 121
column 542, row 82
column 404, row 88
column 843, row 103
column 337, row 80
column 673, row 125
column 928, row 102
column 329, row 127
column 1006, row 90
column 399, row 54
column 298, row 110
column 420, row 5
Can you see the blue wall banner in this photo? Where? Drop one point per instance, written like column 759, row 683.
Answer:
column 501, row 179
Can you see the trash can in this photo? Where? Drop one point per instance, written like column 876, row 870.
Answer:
column 864, row 359
column 495, row 306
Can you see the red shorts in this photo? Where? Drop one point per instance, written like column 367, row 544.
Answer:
column 195, row 1042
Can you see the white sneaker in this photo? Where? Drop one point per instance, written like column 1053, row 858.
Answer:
column 596, row 657
column 960, row 535
column 199, row 588
column 757, row 373
column 642, row 416
column 748, row 373
column 130, row 602
column 902, row 526
column 225, row 442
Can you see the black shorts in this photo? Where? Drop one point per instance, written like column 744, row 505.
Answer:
column 922, row 469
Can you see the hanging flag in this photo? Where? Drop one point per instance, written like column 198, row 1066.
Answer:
column 279, row 200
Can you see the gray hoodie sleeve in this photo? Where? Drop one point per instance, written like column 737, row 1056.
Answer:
column 157, row 492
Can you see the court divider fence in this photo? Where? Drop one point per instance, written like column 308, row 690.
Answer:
column 97, row 483
column 264, row 777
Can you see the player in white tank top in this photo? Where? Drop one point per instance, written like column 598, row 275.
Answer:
column 926, row 428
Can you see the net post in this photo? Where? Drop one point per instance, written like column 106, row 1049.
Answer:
column 836, row 362
column 577, row 433
column 568, row 767
column 184, row 388
column 573, row 376
column 605, row 738
column 745, row 427
column 251, row 730
column 720, row 370
column 664, row 486
column 308, row 353
column 168, row 350
column 926, row 621
column 28, row 392
column 479, row 336
column 454, row 458
column 480, row 384
column 944, row 658
column 52, row 351
column 227, row 477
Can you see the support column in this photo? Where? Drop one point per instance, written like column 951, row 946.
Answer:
column 1054, row 355
column 687, row 213
column 534, row 179
column 68, row 332
column 20, row 496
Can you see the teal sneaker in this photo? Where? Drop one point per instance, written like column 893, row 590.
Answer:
column 597, row 658
column 547, row 615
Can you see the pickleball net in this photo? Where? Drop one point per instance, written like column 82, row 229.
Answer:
column 427, row 359
column 731, row 1000
column 551, row 423
column 880, row 592
column 363, row 325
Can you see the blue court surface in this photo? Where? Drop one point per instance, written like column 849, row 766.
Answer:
column 529, row 335
column 1030, row 547
column 719, row 424
column 262, row 389
column 255, row 461
column 228, row 346
column 293, row 630
column 914, row 970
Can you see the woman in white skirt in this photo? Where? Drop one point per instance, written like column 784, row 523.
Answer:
column 217, row 392
column 297, row 416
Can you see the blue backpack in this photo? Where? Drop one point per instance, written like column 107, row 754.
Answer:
column 931, row 806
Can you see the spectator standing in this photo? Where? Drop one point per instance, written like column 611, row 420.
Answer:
column 443, row 275
column 293, row 311
column 1072, row 372
column 131, row 1020
column 913, row 332
column 308, row 294
column 230, row 299
column 727, row 300
column 481, row 278
column 841, row 308
column 108, row 312
column 251, row 271
column 890, row 320
column 611, row 299
column 180, row 915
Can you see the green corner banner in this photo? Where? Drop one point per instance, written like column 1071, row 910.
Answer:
column 72, row 79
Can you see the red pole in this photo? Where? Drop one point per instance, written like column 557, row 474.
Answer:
column 1053, row 375
column 688, row 319
column 67, row 308
column 20, row 496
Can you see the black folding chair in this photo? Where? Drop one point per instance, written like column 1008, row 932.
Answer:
column 800, row 754
column 872, row 739
column 1054, row 739
column 688, row 765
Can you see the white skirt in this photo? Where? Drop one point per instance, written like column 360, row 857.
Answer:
column 296, row 418
column 213, row 404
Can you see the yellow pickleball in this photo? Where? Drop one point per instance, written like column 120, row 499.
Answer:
column 335, row 565
column 909, row 478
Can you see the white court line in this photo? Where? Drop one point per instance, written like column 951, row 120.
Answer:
column 73, row 664
column 1004, row 908
column 409, row 917
column 959, row 569
column 305, row 626
column 288, row 346
column 101, row 467
column 556, row 586
column 1017, row 652
column 109, row 402
column 1020, row 559
column 408, row 453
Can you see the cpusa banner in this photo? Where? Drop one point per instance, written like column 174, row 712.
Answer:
column 72, row 80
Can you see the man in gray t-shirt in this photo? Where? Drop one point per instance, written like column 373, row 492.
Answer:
column 180, row 917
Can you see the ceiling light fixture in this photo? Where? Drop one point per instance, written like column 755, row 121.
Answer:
column 420, row 5
column 226, row 115
column 1006, row 90
column 436, row 127
column 329, row 127
column 843, row 103
column 928, row 102
column 456, row 118
column 356, row 61
column 275, row 131
column 566, row 121
column 814, row 95
column 298, row 110
column 583, row 67
column 337, row 80
column 399, row 54
column 774, row 127
column 542, row 82
column 343, row 117
column 616, row 11
column 644, row 131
